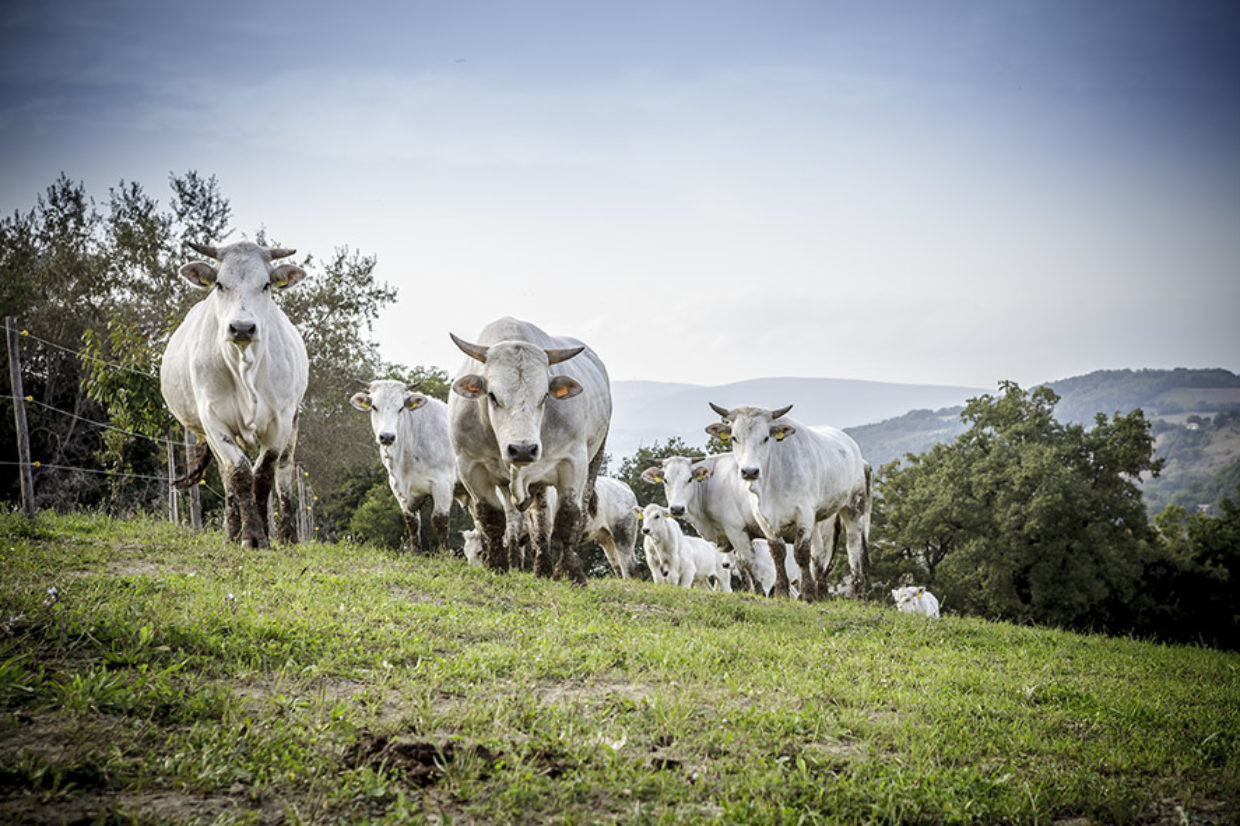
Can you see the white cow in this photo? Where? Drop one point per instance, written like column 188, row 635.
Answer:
column 530, row 411
column 912, row 599
column 234, row 373
column 613, row 526
column 799, row 477
column 683, row 560
column 412, row 432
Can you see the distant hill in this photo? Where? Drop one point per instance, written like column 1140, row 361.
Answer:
column 646, row 413
column 1196, row 416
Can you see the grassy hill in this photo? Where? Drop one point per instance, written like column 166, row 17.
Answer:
column 172, row 678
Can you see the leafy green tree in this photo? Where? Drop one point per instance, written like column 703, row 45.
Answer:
column 1189, row 588
column 1024, row 518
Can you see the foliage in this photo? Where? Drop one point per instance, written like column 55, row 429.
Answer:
column 378, row 519
column 173, row 678
column 1189, row 593
column 1024, row 518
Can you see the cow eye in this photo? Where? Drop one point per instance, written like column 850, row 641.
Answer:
column 494, row 400
column 766, row 439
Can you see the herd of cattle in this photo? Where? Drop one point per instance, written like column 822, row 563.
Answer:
column 519, row 443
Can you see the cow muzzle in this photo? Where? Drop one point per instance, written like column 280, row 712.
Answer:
column 676, row 510
column 522, row 453
column 242, row 332
column 749, row 474
column 387, row 439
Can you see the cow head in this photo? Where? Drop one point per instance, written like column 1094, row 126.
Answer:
column 515, row 384
column 386, row 400
column 677, row 474
column 751, row 431
column 241, row 287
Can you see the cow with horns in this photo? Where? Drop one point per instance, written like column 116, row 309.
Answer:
column 530, row 411
column 234, row 373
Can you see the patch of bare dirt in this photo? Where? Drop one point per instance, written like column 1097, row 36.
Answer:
column 421, row 762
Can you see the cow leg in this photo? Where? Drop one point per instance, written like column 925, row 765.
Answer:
column 569, row 519
column 264, row 480
column 286, row 472
column 540, row 535
column 809, row 585
column 858, row 554
column 232, row 513
column 491, row 522
column 253, row 524
column 413, row 523
column 439, row 524
column 778, row 552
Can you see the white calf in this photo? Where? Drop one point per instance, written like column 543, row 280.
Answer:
column 683, row 560
column 913, row 599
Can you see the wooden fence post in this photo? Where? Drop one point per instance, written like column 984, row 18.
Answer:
column 305, row 507
column 19, row 418
column 195, row 494
column 174, row 496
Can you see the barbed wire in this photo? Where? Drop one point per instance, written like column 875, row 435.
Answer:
column 83, row 355
column 45, row 405
column 46, row 466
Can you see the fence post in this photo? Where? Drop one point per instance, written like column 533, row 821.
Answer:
column 174, row 496
column 305, row 508
column 19, row 418
column 195, row 494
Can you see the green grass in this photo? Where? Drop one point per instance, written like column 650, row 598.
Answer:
column 174, row 678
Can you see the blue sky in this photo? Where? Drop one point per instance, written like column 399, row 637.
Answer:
column 926, row 192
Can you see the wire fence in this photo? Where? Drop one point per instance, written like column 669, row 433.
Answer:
column 170, row 446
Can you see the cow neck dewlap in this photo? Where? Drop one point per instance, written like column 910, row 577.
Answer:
column 243, row 365
column 519, row 486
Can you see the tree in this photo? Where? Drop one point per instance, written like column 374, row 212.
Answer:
column 1024, row 518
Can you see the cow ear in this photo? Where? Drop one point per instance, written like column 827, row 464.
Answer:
column 360, row 400
column 720, row 430
column 286, row 275
column 200, row 274
column 701, row 472
column 641, row 514
column 781, row 431
column 562, row 387
column 653, row 475
column 414, row 400
column 471, row 386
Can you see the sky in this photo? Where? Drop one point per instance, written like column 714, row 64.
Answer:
column 923, row 192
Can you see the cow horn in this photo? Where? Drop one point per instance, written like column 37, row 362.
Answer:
column 724, row 412
column 280, row 252
column 557, row 356
column 209, row 251
column 412, row 388
column 775, row 414
column 474, row 351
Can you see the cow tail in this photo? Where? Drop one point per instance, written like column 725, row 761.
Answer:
column 197, row 460
column 591, row 495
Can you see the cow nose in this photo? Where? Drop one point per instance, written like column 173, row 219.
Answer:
column 387, row 438
column 749, row 473
column 677, row 510
column 646, row 529
column 520, row 454
column 242, row 330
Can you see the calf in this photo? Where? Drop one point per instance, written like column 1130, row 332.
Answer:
column 684, row 560
column 912, row 599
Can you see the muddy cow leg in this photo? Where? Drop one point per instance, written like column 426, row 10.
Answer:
column 569, row 520
column 778, row 551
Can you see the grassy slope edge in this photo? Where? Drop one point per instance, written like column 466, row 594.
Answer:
column 173, row 678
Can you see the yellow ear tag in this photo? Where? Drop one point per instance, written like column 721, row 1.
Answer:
column 658, row 478
column 779, row 437
column 640, row 516
column 724, row 437
column 366, row 405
